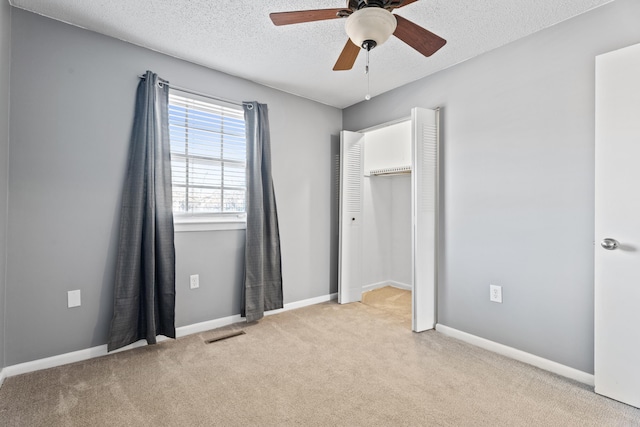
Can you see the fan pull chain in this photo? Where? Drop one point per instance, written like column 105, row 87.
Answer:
column 366, row 71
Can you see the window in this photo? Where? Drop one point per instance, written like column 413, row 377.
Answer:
column 208, row 158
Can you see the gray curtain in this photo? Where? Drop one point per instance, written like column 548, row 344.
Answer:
column 144, row 300
column 262, row 290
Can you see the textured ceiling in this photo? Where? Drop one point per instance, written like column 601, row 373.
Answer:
column 237, row 37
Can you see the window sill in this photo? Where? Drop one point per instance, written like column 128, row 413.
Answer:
column 181, row 225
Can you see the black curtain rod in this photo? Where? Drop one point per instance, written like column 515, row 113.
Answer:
column 194, row 92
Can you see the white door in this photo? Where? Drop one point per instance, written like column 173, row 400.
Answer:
column 617, row 218
column 351, row 196
column 424, row 200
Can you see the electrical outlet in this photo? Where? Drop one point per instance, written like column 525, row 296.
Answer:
column 194, row 281
column 495, row 293
column 73, row 298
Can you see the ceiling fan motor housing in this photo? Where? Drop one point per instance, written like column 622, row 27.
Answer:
column 372, row 25
column 371, row 3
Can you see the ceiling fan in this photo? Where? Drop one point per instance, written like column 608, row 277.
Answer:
column 369, row 24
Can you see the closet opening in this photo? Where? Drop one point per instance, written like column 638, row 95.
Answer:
column 389, row 217
column 386, row 237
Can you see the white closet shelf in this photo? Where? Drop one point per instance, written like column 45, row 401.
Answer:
column 399, row 170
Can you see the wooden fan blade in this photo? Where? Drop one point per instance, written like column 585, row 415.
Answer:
column 424, row 41
column 348, row 57
column 299, row 16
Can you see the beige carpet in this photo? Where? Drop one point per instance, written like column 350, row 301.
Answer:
column 394, row 301
column 324, row 365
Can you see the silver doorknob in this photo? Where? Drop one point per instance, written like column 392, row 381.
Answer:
column 609, row 244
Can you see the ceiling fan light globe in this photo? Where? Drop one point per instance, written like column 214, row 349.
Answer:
column 370, row 23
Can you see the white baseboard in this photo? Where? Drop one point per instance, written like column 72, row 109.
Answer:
column 72, row 357
column 372, row 286
column 101, row 350
column 196, row 328
column 400, row 285
column 303, row 303
column 522, row 356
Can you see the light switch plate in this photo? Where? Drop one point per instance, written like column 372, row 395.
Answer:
column 73, row 298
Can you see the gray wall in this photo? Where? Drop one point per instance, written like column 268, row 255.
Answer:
column 386, row 230
column 401, row 229
column 518, row 136
column 5, row 61
column 376, row 230
column 71, row 114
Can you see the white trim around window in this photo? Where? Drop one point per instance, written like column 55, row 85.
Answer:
column 185, row 224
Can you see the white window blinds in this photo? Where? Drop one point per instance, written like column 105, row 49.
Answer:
column 208, row 157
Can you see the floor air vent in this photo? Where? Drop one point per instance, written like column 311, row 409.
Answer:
column 225, row 336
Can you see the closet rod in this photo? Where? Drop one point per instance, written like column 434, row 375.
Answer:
column 194, row 92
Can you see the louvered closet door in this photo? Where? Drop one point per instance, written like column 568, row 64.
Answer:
column 424, row 200
column 351, row 189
